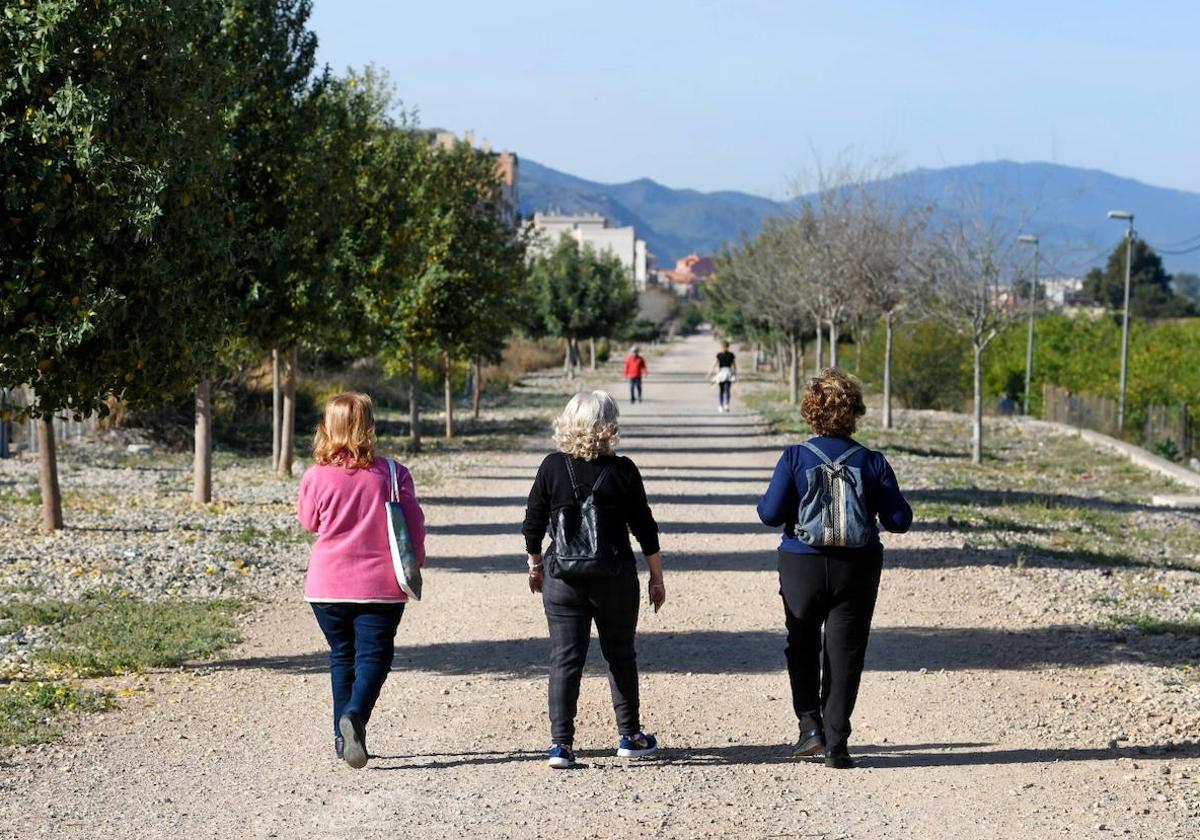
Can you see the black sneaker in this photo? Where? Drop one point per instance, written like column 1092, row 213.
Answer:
column 840, row 760
column 339, row 747
column 811, row 742
column 354, row 749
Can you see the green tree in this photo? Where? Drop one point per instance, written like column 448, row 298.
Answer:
column 446, row 271
column 582, row 294
column 612, row 301
column 303, row 147
column 468, row 295
column 1187, row 285
column 1150, row 292
column 114, row 243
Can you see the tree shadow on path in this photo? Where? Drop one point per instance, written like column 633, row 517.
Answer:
column 904, row 756
column 766, row 559
column 439, row 761
column 892, row 649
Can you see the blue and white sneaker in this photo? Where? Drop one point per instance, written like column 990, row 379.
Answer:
column 561, row 757
column 636, row 746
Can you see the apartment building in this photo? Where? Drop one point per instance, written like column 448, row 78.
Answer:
column 595, row 230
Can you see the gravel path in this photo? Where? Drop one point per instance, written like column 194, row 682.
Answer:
column 983, row 711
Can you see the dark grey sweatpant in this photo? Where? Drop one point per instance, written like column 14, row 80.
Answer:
column 570, row 610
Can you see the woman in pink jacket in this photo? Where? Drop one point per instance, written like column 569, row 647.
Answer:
column 351, row 583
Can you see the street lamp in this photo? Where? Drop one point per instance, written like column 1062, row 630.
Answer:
column 1124, row 216
column 1029, row 239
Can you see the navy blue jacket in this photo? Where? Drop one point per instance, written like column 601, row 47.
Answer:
column 780, row 505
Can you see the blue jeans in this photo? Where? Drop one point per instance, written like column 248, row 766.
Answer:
column 361, row 641
column 635, row 388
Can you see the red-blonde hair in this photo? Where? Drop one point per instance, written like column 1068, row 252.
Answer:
column 346, row 434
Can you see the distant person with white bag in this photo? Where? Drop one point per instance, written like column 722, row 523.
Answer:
column 724, row 374
column 365, row 564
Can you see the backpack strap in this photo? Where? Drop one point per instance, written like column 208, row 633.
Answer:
column 575, row 484
column 811, row 447
column 841, row 459
column 599, row 480
column 571, row 474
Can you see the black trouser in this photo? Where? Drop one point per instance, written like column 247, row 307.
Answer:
column 570, row 609
column 724, row 393
column 635, row 388
column 828, row 602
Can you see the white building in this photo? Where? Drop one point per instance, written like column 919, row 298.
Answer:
column 1060, row 290
column 593, row 229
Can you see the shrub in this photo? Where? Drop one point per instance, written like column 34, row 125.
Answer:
column 930, row 365
column 643, row 332
column 692, row 318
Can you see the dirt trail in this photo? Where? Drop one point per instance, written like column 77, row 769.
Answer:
column 959, row 731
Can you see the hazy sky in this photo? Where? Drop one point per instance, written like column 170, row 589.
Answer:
column 748, row 94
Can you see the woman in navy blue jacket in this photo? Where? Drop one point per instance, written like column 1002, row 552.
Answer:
column 829, row 593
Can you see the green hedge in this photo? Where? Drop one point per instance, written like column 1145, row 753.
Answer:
column 932, row 365
column 1084, row 355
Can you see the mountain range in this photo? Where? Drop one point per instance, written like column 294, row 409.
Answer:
column 1065, row 206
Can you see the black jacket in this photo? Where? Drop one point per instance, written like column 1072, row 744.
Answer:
column 622, row 493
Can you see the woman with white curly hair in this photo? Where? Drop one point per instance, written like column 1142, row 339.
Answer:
column 590, row 573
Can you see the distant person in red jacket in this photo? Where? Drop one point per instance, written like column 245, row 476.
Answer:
column 635, row 369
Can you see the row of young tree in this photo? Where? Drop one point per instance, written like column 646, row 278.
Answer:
column 185, row 189
column 850, row 259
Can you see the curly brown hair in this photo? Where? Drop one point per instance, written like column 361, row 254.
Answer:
column 833, row 402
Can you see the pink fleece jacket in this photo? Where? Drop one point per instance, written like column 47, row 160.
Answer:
column 351, row 560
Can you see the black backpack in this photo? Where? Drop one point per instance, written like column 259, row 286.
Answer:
column 581, row 544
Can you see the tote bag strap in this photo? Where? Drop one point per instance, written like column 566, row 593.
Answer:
column 395, row 481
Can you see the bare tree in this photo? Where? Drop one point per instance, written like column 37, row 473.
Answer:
column 771, row 283
column 879, row 263
column 969, row 266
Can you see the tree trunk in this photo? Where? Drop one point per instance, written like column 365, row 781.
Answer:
column 447, row 378
column 202, row 446
column 52, row 517
column 287, row 432
column 414, row 402
column 887, row 371
column 794, row 358
column 592, row 349
column 833, row 344
column 977, row 415
column 569, row 359
column 276, row 409
column 820, row 349
column 477, row 391
column 858, row 343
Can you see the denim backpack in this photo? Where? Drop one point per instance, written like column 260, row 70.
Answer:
column 833, row 512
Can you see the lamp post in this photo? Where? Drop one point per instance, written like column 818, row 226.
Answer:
column 1030, row 240
column 1124, row 216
